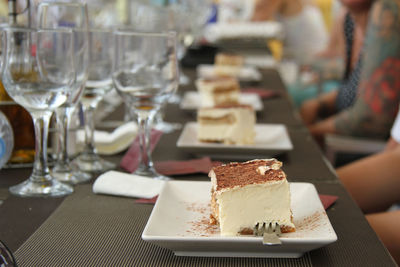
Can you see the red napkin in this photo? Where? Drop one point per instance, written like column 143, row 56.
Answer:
column 171, row 167
column 327, row 200
column 130, row 161
column 147, row 200
column 263, row 93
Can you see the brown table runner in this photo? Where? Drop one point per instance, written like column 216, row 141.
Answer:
column 95, row 230
column 87, row 229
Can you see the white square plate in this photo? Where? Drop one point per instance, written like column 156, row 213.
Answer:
column 192, row 100
column 246, row 73
column 179, row 222
column 270, row 140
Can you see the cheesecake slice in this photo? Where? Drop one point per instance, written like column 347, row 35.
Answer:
column 218, row 91
column 228, row 59
column 226, row 124
column 244, row 194
column 227, row 64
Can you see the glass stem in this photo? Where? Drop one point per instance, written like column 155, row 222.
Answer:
column 145, row 119
column 41, row 172
column 62, row 117
column 89, row 130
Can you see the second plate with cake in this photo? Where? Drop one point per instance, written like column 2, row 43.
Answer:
column 270, row 140
column 191, row 101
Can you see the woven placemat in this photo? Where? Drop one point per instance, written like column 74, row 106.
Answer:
column 95, row 230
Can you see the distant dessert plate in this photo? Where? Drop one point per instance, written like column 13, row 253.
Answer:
column 270, row 140
column 191, row 101
column 244, row 73
column 180, row 222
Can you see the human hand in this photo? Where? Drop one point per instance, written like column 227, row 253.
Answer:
column 309, row 111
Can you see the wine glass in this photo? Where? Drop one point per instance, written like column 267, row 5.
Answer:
column 197, row 13
column 145, row 73
column 153, row 18
column 74, row 16
column 38, row 74
column 98, row 84
column 187, row 18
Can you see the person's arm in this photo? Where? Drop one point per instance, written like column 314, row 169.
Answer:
column 374, row 181
column 315, row 108
column 386, row 225
column 376, row 106
column 391, row 144
column 336, row 44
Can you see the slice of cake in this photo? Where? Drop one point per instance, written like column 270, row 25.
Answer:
column 244, row 194
column 226, row 124
column 218, row 91
column 228, row 64
column 228, row 59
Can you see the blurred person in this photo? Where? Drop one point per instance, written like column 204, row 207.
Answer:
column 346, row 41
column 235, row 10
column 329, row 10
column 367, row 107
column 374, row 183
column 4, row 10
column 303, row 24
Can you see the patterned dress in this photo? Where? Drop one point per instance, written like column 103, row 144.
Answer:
column 348, row 88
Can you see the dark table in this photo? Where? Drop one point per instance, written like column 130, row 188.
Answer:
column 85, row 229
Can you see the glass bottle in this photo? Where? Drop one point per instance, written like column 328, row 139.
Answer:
column 22, row 126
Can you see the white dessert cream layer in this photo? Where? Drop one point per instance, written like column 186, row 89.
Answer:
column 228, row 59
column 244, row 194
column 218, row 91
column 225, row 70
column 243, row 207
column 227, row 125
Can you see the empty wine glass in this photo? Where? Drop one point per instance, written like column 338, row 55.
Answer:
column 153, row 18
column 197, row 13
column 98, row 84
column 74, row 16
column 38, row 73
column 179, row 21
column 145, row 73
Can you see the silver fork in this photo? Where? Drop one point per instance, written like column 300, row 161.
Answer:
column 269, row 231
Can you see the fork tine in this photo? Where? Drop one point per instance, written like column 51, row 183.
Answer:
column 270, row 228
column 277, row 229
column 256, row 230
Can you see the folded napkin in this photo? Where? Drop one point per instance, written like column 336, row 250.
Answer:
column 152, row 200
column 262, row 93
column 130, row 161
column 129, row 185
column 327, row 200
column 171, row 167
column 111, row 143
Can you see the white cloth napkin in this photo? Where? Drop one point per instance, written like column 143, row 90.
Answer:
column 128, row 185
column 111, row 143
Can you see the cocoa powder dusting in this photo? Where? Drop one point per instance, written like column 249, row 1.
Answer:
column 241, row 174
column 309, row 224
column 202, row 226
